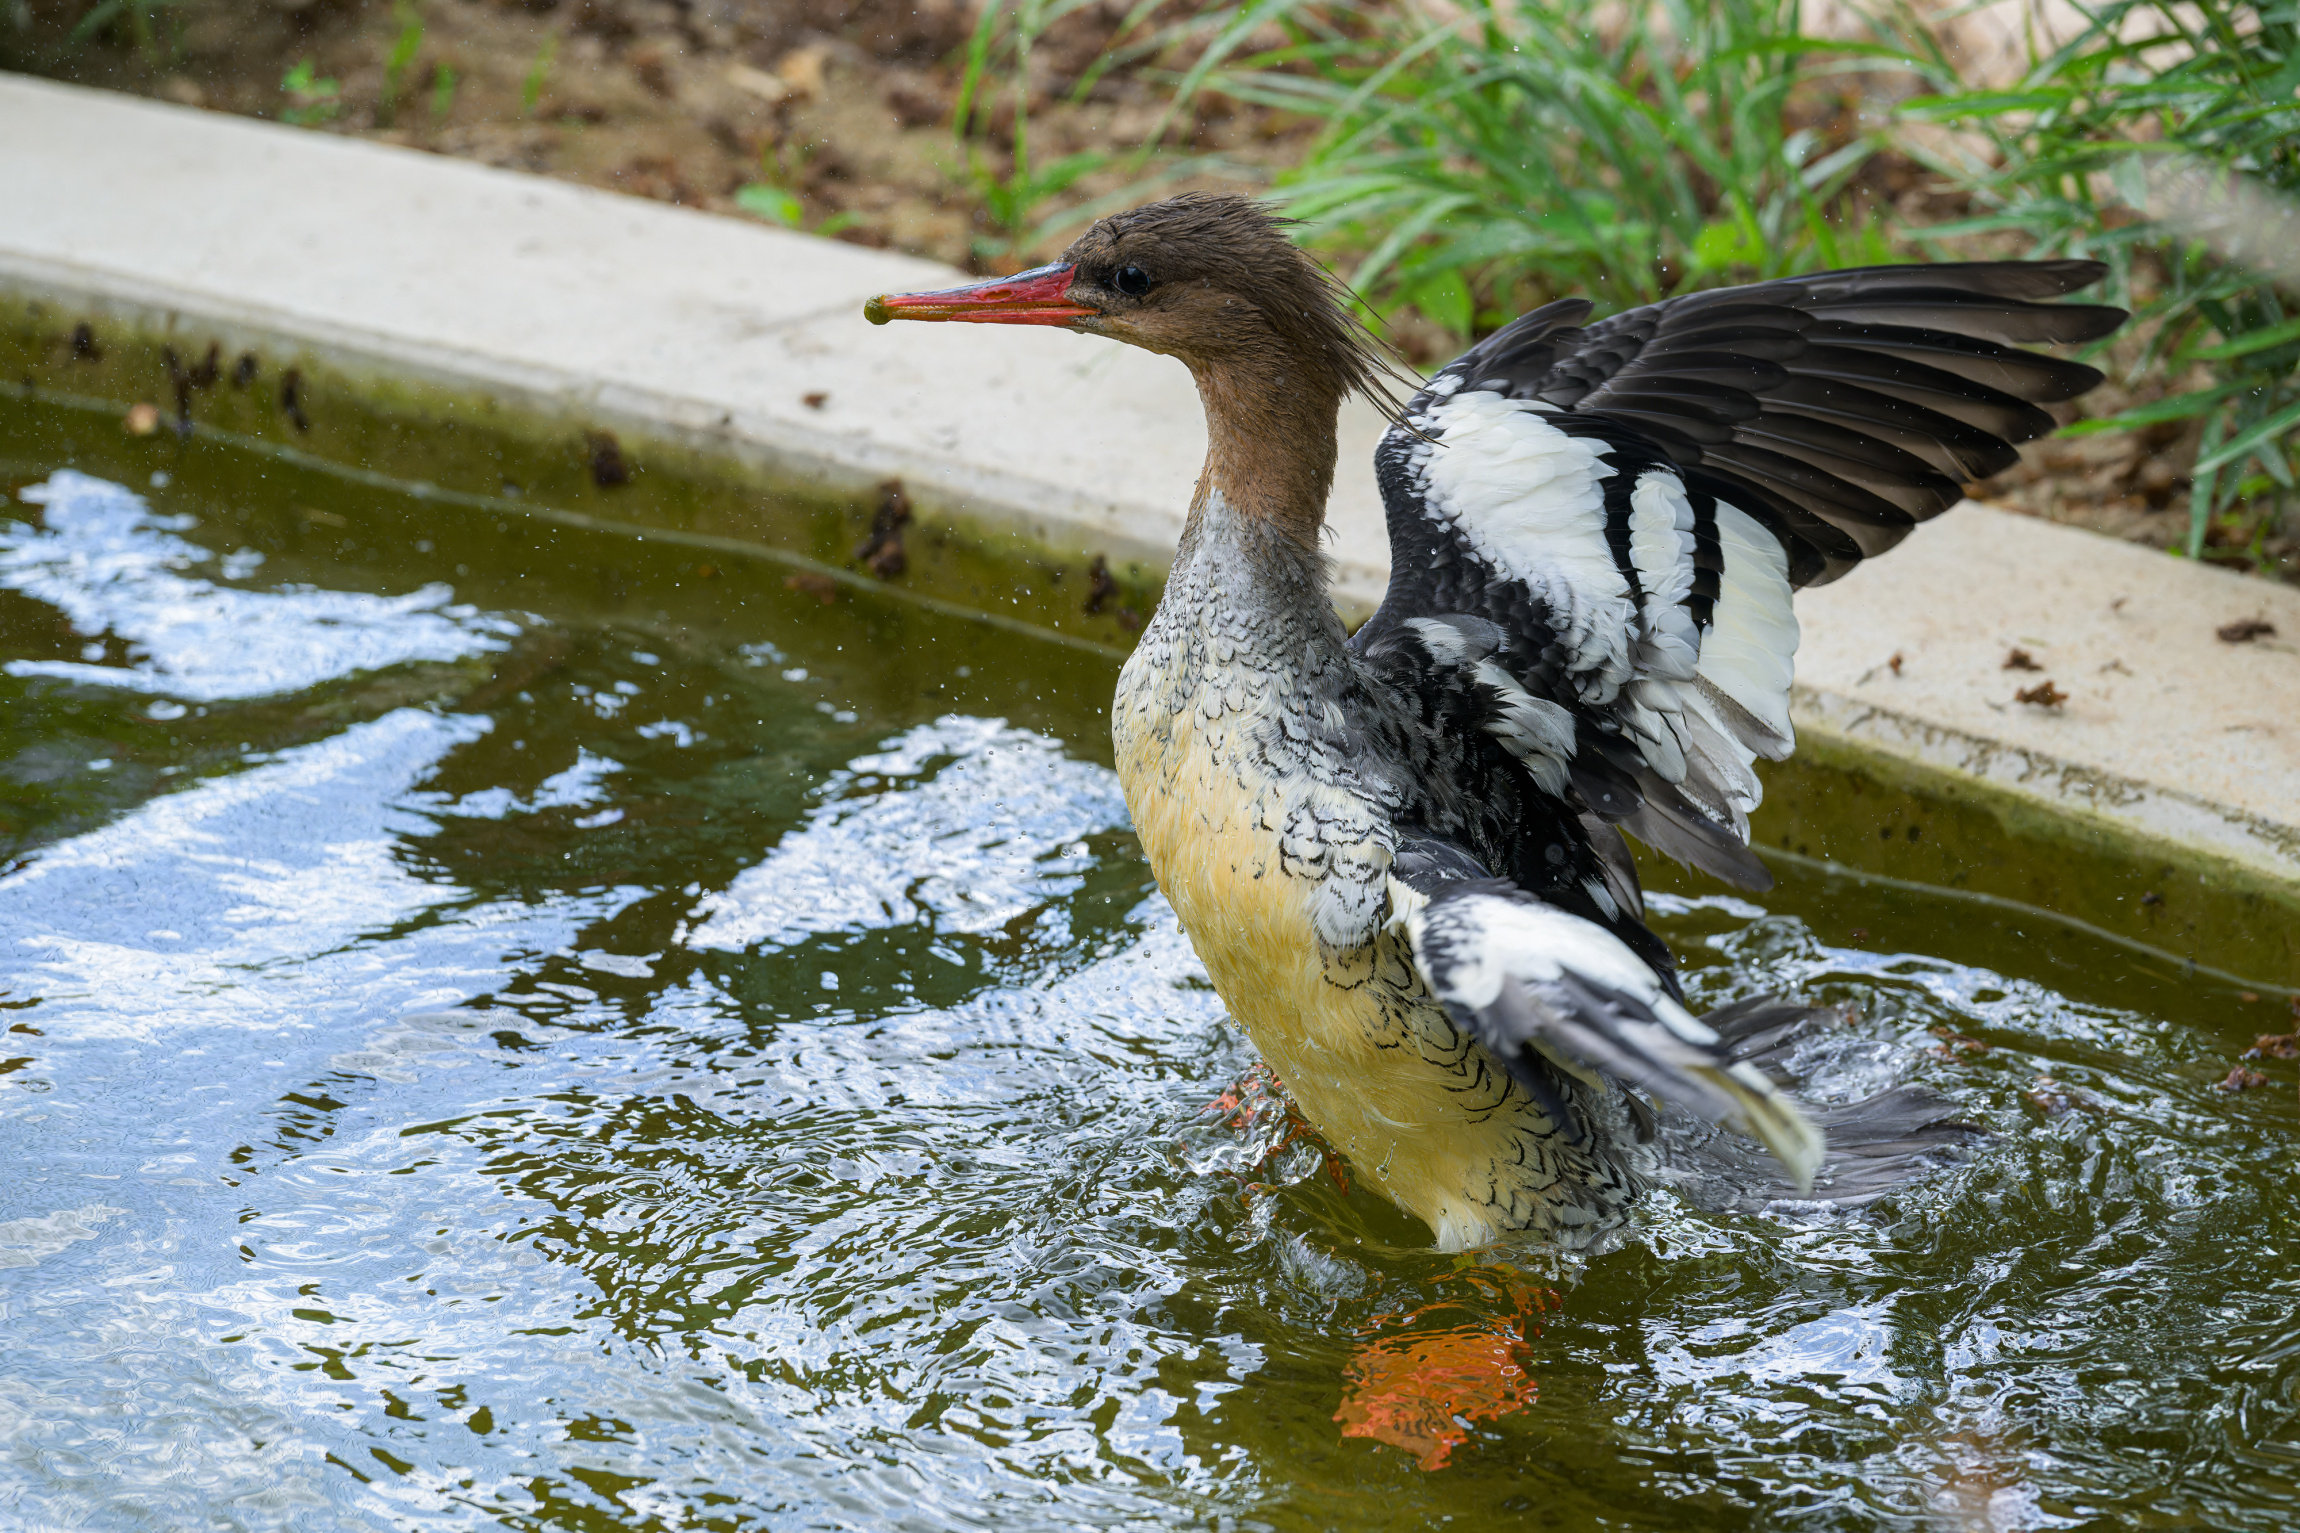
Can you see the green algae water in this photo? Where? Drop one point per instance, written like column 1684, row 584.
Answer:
column 502, row 1026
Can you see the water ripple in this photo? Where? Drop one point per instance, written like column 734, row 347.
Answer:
column 533, row 1116
column 102, row 558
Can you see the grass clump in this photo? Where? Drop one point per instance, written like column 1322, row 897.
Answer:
column 2164, row 139
column 1013, row 189
column 400, row 60
column 144, row 20
column 1477, row 157
column 1512, row 150
column 311, row 98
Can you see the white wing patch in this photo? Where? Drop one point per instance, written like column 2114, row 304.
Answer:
column 1661, row 546
column 1668, row 645
column 1701, row 707
column 1527, row 497
column 1751, row 649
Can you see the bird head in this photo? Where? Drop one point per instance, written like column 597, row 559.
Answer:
column 1210, row 278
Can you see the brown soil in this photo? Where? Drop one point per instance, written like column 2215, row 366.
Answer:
column 847, row 106
column 845, row 103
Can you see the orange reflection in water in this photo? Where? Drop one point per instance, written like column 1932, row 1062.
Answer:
column 1420, row 1390
column 1424, row 1390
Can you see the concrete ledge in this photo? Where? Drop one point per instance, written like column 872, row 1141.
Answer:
column 2168, row 731
column 707, row 329
column 713, row 332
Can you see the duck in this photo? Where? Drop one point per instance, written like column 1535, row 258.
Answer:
column 1402, row 853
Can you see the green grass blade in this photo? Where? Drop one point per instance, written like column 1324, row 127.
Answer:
column 2253, row 437
column 2246, row 344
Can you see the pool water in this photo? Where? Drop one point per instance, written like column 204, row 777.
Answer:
column 509, row 1027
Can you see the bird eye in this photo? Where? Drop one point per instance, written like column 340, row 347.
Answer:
column 1133, row 281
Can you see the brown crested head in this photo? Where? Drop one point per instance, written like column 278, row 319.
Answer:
column 1208, row 277
column 1211, row 278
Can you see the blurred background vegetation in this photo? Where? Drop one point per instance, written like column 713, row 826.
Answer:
column 1460, row 160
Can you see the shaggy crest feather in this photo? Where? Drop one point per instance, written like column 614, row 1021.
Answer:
column 1238, row 245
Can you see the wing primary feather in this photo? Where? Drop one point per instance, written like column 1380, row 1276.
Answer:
column 1725, row 368
column 1997, row 279
column 1715, row 401
column 2059, row 324
column 1668, row 428
column 1900, row 479
column 2023, row 374
column 1976, row 404
column 1678, row 828
column 1765, row 343
column 1843, row 503
column 1963, row 452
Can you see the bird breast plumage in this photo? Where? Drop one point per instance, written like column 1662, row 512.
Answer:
column 1274, row 854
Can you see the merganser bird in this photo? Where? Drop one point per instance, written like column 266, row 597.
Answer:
column 1399, row 853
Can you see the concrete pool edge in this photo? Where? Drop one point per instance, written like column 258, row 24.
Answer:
column 2151, row 815
column 2097, row 762
column 2141, row 864
column 356, row 405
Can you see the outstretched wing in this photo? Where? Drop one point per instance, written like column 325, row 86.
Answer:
column 1595, row 532
column 1554, row 997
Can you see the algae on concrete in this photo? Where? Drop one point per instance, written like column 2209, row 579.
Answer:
column 516, row 491
column 472, row 451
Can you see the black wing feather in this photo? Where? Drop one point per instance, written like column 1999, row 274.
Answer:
column 1852, row 403
column 1834, row 411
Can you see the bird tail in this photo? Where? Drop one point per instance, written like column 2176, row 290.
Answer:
column 1874, row 1145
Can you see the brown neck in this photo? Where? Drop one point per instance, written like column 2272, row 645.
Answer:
column 1269, row 442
